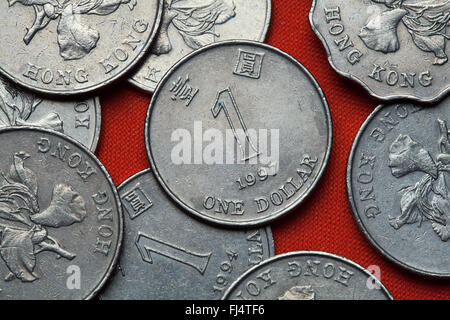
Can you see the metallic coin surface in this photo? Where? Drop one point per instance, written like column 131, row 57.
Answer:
column 190, row 24
column 60, row 217
column 307, row 275
column 398, row 182
column 74, row 46
column 393, row 48
column 169, row 255
column 79, row 119
column 238, row 133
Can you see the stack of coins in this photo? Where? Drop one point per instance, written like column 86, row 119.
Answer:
column 238, row 133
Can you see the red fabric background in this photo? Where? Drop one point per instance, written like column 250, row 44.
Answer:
column 324, row 222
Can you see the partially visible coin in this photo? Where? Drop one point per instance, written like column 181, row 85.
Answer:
column 169, row 255
column 307, row 275
column 238, row 133
column 60, row 217
column 79, row 119
column 73, row 47
column 398, row 182
column 393, row 48
column 188, row 25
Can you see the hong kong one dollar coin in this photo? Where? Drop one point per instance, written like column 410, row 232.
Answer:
column 307, row 275
column 79, row 119
column 67, row 47
column 238, row 133
column 398, row 182
column 168, row 255
column 190, row 24
column 60, row 217
column 394, row 48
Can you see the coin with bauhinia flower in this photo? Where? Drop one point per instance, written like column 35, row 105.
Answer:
column 74, row 46
column 307, row 276
column 394, row 48
column 79, row 118
column 398, row 182
column 60, row 219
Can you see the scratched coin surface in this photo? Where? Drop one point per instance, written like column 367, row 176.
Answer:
column 398, row 182
column 74, row 46
column 307, row 275
column 169, row 255
column 238, row 133
column 79, row 119
column 393, row 48
column 60, row 217
column 191, row 24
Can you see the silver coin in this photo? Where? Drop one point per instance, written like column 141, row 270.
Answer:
column 393, row 48
column 307, row 275
column 238, row 133
column 168, row 255
column 398, row 185
column 79, row 119
column 74, row 46
column 60, row 217
column 190, row 24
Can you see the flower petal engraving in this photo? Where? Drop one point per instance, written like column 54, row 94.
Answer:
column 194, row 20
column 388, row 3
column 380, row 33
column 50, row 121
column 408, row 204
column 67, row 207
column 17, row 250
column 23, row 235
column 426, row 22
column 441, row 204
column 429, row 199
column 299, row 293
column 407, row 155
column 75, row 40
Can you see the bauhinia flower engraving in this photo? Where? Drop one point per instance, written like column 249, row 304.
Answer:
column 299, row 293
column 426, row 22
column 75, row 38
column 17, row 106
column 23, row 225
column 429, row 198
column 194, row 20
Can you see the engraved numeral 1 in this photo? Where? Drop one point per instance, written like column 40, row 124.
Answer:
column 146, row 244
column 223, row 100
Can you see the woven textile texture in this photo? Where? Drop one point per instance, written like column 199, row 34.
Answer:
column 323, row 222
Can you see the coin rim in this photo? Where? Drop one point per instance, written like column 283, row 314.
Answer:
column 284, row 211
column 100, row 85
column 102, row 168
column 293, row 254
column 351, row 200
column 98, row 124
column 354, row 78
column 262, row 38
